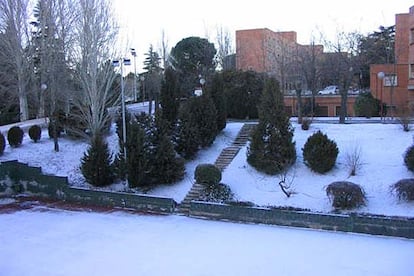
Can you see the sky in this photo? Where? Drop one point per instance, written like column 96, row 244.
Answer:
column 142, row 22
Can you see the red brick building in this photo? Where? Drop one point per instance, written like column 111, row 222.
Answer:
column 393, row 84
column 265, row 51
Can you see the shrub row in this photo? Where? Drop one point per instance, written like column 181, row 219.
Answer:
column 15, row 136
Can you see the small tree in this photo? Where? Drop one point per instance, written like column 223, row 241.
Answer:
column 187, row 134
column 165, row 165
column 96, row 164
column 170, row 97
column 216, row 90
column 320, row 153
column 272, row 149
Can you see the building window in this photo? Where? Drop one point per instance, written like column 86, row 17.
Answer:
column 411, row 73
column 390, row 80
column 411, row 36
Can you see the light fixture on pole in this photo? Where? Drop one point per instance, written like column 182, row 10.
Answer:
column 117, row 63
column 134, row 54
column 381, row 76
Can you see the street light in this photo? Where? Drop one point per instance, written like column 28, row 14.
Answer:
column 134, row 54
column 117, row 63
column 142, row 78
column 381, row 76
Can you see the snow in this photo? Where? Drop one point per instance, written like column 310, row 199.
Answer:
column 45, row 241
column 382, row 148
column 55, row 242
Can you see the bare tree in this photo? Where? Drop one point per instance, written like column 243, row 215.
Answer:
column 13, row 24
column 225, row 45
column 164, row 50
column 96, row 35
column 341, row 64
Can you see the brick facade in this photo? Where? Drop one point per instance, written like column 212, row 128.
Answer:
column 400, row 96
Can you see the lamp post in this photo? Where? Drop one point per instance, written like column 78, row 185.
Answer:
column 134, row 54
column 381, row 76
column 117, row 63
column 142, row 78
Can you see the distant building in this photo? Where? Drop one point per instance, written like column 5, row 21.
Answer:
column 393, row 84
column 266, row 51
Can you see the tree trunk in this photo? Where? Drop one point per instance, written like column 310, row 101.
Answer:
column 344, row 100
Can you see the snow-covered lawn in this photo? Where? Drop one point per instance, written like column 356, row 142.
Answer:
column 55, row 242
column 382, row 148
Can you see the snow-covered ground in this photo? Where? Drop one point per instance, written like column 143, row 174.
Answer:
column 62, row 243
column 382, row 148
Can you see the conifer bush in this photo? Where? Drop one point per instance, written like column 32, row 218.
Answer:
column 272, row 149
column 345, row 195
column 35, row 132
column 96, row 164
column 207, row 174
column 15, row 136
column 2, row 143
column 409, row 158
column 320, row 153
column 404, row 189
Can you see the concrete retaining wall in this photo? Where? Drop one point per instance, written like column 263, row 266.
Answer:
column 376, row 225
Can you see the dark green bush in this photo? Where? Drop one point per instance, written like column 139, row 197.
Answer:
column 35, row 132
column 51, row 129
column 366, row 105
column 404, row 189
column 345, row 195
column 15, row 136
column 2, row 143
column 320, row 153
column 409, row 158
column 207, row 174
column 219, row 193
column 96, row 164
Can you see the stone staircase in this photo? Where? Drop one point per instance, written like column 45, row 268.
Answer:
column 223, row 160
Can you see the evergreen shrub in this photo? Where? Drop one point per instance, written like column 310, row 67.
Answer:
column 35, row 132
column 345, row 195
column 409, row 158
column 306, row 122
column 219, row 193
column 51, row 129
column 404, row 189
column 207, row 174
column 320, row 153
column 367, row 106
column 2, row 143
column 15, row 136
column 96, row 164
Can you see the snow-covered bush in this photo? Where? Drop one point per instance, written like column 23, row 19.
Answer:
column 320, row 153
column 35, row 132
column 409, row 158
column 219, row 193
column 345, row 195
column 404, row 189
column 15, row 136
column 207, row 174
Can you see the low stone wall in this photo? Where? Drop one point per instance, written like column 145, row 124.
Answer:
column 376, row 225
column 19, row 178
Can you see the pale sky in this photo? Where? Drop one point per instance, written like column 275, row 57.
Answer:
column 142, row 22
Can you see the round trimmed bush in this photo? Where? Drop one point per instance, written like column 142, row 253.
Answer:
column 320, row 153
column 345, row 195
column 35, row 132
column 409, row 158
column 2, row 143
column 15, row 136
column 207, row 174
column 219, row 193
column 404, row 189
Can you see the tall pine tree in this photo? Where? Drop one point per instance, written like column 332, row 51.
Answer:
column 272, row 149
column 170, row 97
